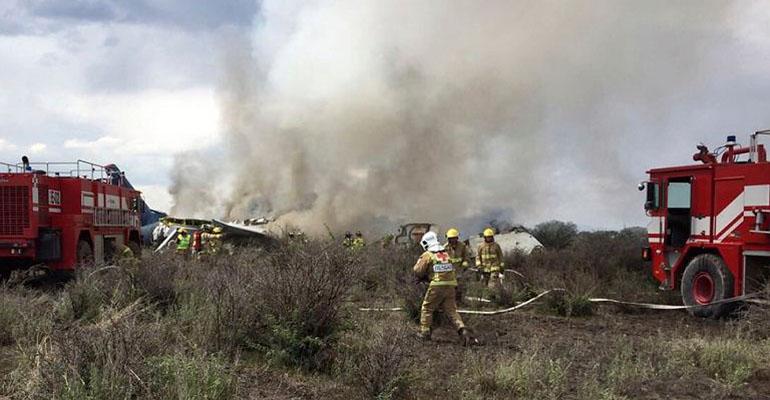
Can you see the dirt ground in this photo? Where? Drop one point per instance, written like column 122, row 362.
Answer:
column 585, row 338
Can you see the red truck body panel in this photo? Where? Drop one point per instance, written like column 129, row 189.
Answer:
column 727, row 214
column 44, row 215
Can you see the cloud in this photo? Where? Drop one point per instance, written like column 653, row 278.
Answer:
column 100, row 143
column 87, row 10
column 6, row 146
column 42, row 17
column 156, row 196
column 37, row 148
column 148, row 123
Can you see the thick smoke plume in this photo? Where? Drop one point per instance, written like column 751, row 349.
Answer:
column 360, row 114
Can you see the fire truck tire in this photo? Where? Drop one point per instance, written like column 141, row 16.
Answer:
column 706, row 279
column 85, row 254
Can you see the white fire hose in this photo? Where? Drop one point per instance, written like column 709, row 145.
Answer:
column 750, row 298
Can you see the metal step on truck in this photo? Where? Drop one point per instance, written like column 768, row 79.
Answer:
column 62, row 215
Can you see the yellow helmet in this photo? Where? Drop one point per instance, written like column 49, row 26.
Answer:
column 452, row 233
column 489, row 232
column 217, row 229
column 182, row 230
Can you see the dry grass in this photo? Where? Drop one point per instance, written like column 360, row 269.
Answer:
column 169, row 329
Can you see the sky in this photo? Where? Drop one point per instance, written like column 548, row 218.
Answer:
column 141, row 83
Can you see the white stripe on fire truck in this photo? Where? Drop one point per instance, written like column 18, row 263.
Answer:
column 728, row 215
column 35, row 195
column 655, row 226
column 738, row 223
column 54, row 209
column 752, row 196
column 699, row 225
column 758, row 195
column 654, row 229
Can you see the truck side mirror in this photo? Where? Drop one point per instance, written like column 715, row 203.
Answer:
column 652, row 202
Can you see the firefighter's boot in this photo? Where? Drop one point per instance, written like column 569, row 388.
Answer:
column 467, row 337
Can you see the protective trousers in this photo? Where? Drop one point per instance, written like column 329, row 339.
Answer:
column 439, row 298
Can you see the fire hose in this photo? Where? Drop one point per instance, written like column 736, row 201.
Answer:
column 750, row 298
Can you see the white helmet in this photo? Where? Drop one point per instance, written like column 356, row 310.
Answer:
column 429, row 242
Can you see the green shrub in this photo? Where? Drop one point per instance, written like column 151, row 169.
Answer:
column 728, row 361
column 303, row 289
column 181, row 376
column 555, row 234
column 10, row 305
column 525, row 375
column 376, row 357
column 569, row 304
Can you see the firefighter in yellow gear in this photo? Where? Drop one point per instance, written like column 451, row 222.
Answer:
column 348, row 240
column 434, row 265
column 489, row 258
column 213, row 241
column 126, row 253
column 358, row 241
column 458, row 256
column 183, row 240
column 126, row 257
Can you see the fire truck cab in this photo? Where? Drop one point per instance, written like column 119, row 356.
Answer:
column 709, row 230
column 62, row 215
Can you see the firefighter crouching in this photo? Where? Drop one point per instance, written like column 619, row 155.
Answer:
column 489, row 259
column 434, row 265
column 183, row 243
column 458, row 256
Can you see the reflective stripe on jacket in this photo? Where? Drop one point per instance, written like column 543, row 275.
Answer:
column 458, row 255
column 490, row 257
column 436, row 268
column 442, row 271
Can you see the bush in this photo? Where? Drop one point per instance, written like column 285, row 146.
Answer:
column 525, row 375
column 376, row 358
column 555, row 234
column 728, row 361
column 301, row 312
column 411, row 294
column 14, row 307
column 157, row 280
column 182, row 376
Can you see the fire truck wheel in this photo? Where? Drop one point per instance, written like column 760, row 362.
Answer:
column 84, row 253
column 706, row 279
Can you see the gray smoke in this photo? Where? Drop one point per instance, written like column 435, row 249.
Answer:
column 360, row 114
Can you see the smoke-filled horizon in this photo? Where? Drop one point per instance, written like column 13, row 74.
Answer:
column 363, row 114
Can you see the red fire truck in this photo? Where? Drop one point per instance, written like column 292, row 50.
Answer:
column 64, row 214
column 709, row 234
